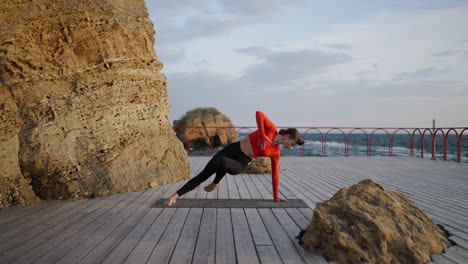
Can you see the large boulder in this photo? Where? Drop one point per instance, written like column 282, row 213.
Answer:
column 14, row 188
column 89, row 92
column 367, row 224
column 208, row 125
column 260, row 165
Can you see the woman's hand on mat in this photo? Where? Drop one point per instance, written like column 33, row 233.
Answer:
column 172, row 199
column 278, row 199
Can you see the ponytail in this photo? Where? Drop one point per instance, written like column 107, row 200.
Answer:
column 293, row 134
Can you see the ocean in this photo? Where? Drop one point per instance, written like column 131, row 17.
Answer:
column 335, row 146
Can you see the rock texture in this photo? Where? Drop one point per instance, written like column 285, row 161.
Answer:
column 14, row 188
column 367, row 224
column 259, row 166
column 88, row 89
column 204, row 119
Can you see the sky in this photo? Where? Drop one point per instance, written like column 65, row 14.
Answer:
column 310, row 63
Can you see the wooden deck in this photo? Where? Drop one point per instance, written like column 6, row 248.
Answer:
column 125, row 229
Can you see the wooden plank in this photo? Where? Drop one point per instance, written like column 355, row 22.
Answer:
column 266, row 181
column 268, row 254
column 123, row 249
column 301, row 221
column 205, row 246
column 76, row 238
column 92, row 240
column 35, row 235
column 458, row 251
column 459, row 242
column 292, row 230
column 455, row 252
column 233, row 191
column 254, row 192
column 103, row 248
column 12, row 214
column 439, row 259
column 314, row 186
column 223, row 189
column 308, row 213
column 162, row 253
column 266, row 193
column 303, row 193
column 95, row 249
column 225, row 249
column 243, row 191
column 53, row 243
column 285, row 248
column 455, row 257
column 259, row 233
column 188, row 237
column 17, row 250
column 245, row 248
column 19, row 226
column 145, row 246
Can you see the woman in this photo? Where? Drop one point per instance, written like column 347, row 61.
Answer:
column 233, row 159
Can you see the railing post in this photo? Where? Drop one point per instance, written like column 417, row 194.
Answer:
column 433, row 140
column 445, row 147
column 459, row 139
column 412, row 145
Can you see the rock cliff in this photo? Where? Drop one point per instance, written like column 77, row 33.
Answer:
column 89, row 93
column 205, row 119
column 14, row 188
column 367, row 224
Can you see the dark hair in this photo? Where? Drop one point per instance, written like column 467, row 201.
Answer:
column 293, row 134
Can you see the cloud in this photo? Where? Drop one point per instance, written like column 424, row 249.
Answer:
column 186, row 20
column 288, row 66
column 250, row 8
column 446, row 53
column 256, row 51
column 339, row 46
column 170, row 54
column 177, row 8
column 330, row 103
column 196, row 27
column 359, row 72
column 427, row 72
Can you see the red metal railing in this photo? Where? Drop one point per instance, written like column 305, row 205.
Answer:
column 368, row 132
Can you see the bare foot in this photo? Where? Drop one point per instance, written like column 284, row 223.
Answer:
column 211, row 187
column 172, row 199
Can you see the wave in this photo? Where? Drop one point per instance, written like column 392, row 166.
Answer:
column 333, row 148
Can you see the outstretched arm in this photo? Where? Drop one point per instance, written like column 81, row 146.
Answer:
column 275, row 179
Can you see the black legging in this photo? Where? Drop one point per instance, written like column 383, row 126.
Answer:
column 230, row 160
